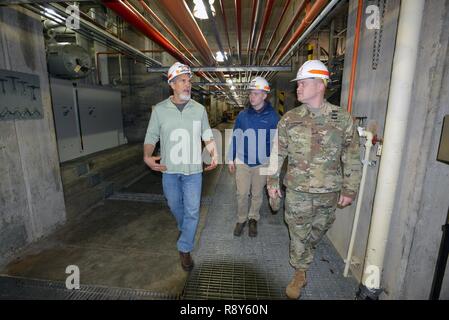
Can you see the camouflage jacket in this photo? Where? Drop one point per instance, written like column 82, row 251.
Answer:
column 323, row 151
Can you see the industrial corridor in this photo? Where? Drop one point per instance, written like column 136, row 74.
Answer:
column 188, row 151
column 124, row 247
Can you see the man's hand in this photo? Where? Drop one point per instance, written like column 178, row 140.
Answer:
column 344, row 201
column 273, row 193
column 151, row 162
column 213, row 164
column 231, row 167
column 212, row 148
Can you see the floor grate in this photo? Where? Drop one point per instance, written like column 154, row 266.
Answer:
column 147, row 197
column 32, row 289
column 228, row 278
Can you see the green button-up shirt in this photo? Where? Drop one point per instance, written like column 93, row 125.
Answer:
column 180, row 135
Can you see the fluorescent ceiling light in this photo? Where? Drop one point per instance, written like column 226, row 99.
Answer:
column 220, row 57
column 199, row 11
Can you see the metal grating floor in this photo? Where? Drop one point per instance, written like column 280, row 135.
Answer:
column 226, row 278
column 147, row 197
column 13, row 288
column 229, row 267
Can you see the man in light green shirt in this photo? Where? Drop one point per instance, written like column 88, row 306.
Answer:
column 179, row 124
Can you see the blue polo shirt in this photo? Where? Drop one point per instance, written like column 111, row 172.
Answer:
column 253, row 135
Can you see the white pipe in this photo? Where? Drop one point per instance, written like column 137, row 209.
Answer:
column 368, row 145
column 403, row 75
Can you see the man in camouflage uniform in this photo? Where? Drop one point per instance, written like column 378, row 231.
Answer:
column 323, row 167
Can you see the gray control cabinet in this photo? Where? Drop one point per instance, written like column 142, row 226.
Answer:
column 88, row 119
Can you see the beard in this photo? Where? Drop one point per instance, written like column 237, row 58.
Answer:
column 185, row 97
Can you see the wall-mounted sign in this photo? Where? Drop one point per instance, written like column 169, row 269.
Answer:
column 20, row 96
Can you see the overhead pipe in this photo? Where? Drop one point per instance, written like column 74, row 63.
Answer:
column 125, row 8
column 238, row 16
column 265, row 19
column 215, row 29
column 300, row 9
column 166, row 28
column 308, row 19
column 284, row 10
column 225, row 22
column 368, row 145
column 309, row 30
column 181, row 15
column 355, row 54
column 252, row 29
column 139, row 22
column 201, row 74
column 252, row 35
column 395, row 138
column 183, row 18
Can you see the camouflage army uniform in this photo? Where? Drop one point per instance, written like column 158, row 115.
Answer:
column 323, row 162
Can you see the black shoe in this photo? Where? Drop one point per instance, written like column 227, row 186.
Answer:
column 186, row 261
column 252, row 230
column 239, row 228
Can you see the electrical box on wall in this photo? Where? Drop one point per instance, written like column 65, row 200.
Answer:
column 443, row 149
column 20, row 96
column 88, row 119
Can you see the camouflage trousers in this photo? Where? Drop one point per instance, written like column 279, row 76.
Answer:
column 308, row 216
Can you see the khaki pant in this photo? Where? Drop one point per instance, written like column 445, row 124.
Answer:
column 249, row 182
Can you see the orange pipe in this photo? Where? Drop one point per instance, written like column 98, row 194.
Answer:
column 307, row 21
column 164, row 26
column 300, row 9
column 179, row 12
column 355, row 53
column 128, row 13
column 276, row 28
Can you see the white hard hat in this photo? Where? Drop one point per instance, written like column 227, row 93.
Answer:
column 312, row 69
column 178, row 69
column 259, row 83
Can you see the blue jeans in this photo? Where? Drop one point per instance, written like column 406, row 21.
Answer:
column 183, row 193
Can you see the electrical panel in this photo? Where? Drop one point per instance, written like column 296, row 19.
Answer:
column 88, row 119
column 20, row 96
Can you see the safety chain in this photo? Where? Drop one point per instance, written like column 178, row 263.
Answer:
column 377, row 45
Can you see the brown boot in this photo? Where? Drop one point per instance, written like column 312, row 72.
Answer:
column 252, row 228
column 239, row 228
column 293, row 290
column 186, row 261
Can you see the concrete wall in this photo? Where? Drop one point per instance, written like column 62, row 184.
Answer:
column 421, row 201
column 369, row 100
column 31, row 196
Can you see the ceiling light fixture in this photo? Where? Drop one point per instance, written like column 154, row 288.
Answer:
column 220, row 57
column 199, row 11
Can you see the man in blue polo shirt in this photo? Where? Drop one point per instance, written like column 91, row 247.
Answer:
column 253, row 133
